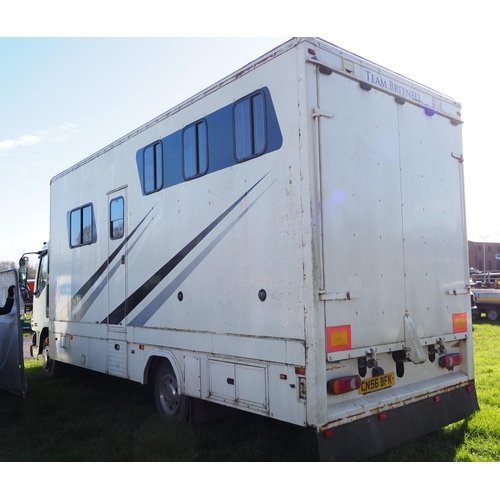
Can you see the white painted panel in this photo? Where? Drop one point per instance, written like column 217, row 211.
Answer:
column 251, row 385
column 362, row 222
column 192, row 376
column 433, row 214
column 221, row 384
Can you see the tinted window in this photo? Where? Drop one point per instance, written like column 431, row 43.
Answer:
column 250, row 131
column 153, row 168
column 195, row 150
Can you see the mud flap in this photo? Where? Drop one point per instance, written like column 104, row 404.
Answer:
column 372, row 435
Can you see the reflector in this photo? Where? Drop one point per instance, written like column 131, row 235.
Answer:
column 329, row 433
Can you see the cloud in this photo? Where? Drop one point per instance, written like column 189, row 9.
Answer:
column 61, row 134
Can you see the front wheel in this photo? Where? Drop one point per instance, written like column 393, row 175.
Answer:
column 49, row 365
column 170, row 403
column 492, row 314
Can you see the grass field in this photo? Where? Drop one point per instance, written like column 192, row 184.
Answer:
column 86, row 416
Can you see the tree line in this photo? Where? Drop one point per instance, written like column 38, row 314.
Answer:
column 10, row 264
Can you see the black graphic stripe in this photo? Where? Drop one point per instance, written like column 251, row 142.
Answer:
column 82, row 310
column 75, row 300
column 145, row 315
column 119, row 314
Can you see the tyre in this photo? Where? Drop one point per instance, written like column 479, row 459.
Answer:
column 49, row 366
column 170, row 403
column 492, row 314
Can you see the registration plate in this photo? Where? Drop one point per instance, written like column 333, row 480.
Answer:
column 376, row 383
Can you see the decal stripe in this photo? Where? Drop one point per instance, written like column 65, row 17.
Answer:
column 143, row 291
column 82, row 310
column 145, row 315
column 75, row 300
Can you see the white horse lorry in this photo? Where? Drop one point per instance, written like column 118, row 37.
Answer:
column 290, row 242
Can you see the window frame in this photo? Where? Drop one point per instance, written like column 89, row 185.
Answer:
column 157, row 167
column 82, row 241
column 111, row 220
column 253, row 136
column 199, row 172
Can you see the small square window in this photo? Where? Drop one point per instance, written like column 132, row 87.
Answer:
column 81, row 226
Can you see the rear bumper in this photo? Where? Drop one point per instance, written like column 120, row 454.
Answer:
column 372, row 435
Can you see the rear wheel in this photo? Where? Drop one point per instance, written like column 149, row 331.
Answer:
column 492, row 314
column 169, row 401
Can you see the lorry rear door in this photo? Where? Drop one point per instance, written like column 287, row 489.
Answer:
column 363, row 254
column 392, row 219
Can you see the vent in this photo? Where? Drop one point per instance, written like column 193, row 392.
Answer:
column 348, row 66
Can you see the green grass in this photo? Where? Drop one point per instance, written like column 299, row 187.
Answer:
column 87, row 416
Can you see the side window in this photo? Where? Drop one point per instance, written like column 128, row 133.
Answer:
column 195, row 150
column 116, row 218
column 250, row 128
column 81, row 226
column 153, row 168
column 43, row 271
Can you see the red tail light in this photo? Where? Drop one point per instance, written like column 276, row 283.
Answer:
column 344, row 384
column 450, row 360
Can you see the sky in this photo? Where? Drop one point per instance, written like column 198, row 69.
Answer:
column 68, row 89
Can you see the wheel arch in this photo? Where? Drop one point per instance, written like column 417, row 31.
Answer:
column 155, row 358
column 44, row 334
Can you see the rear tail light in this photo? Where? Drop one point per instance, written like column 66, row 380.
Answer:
column 450, row 360
column 344, row 384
